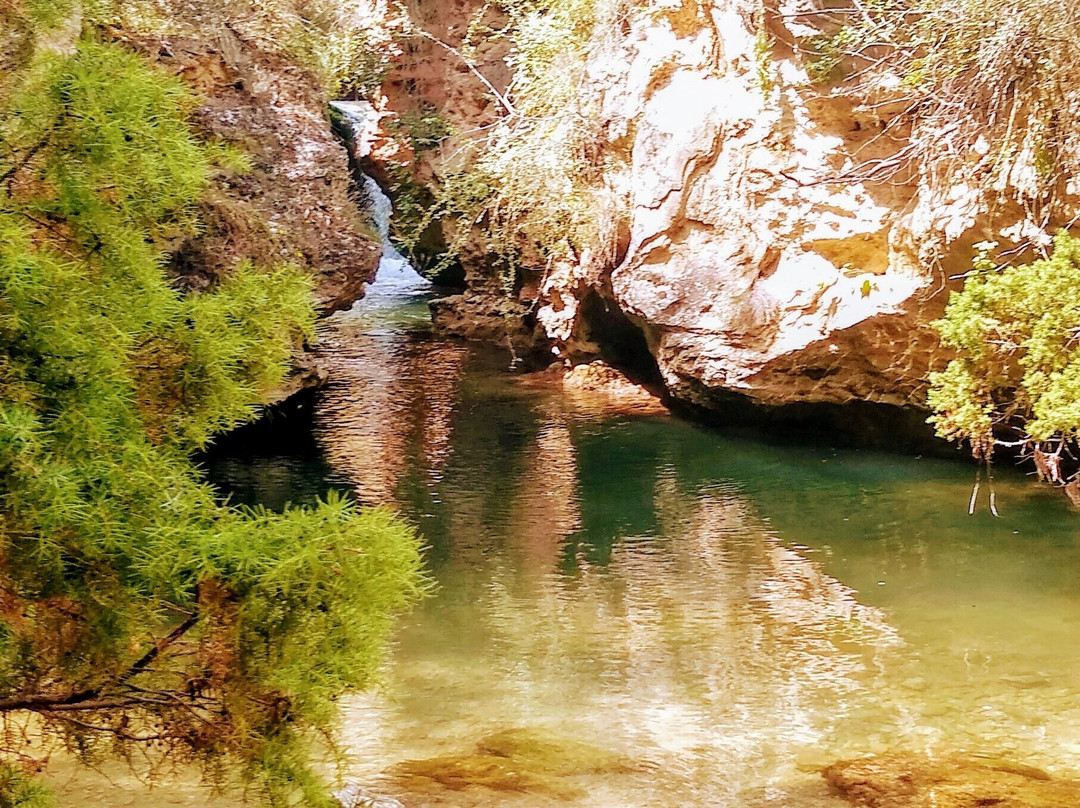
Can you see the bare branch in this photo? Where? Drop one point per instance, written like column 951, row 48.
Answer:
column 502, row 99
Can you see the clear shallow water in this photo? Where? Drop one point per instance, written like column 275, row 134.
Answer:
column 726, row 614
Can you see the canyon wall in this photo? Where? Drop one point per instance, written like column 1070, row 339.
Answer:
column 777, row 239
column 297, row 202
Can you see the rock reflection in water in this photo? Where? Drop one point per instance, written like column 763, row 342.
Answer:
column 704, row 649
column 388, row 406
column 545, row 508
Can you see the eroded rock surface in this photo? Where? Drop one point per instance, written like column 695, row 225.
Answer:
column 296, row 204
column 759, row 260
column 783, row 244
column 490, row 317
column 917, row 781
column 779, row 238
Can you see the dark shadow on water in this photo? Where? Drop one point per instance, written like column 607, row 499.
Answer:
column 855, row 425
column 274, row 461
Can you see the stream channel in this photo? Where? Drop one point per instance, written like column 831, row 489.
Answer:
column 649, row 613
column 719, row 615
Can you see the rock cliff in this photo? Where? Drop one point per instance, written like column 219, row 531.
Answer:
column 779, row 239
column 298, row 202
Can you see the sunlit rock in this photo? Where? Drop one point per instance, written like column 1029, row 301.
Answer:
column 951, row 781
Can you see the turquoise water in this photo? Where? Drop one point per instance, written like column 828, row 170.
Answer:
column 729, row 615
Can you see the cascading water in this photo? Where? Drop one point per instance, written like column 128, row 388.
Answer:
column 395, row 278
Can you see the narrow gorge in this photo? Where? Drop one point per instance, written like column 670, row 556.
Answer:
column 532, row 403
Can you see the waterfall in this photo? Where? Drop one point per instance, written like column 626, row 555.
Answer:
column 395, row 276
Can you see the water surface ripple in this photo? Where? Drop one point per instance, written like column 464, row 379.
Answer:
column 726, row 615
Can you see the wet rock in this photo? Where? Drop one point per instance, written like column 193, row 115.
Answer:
column 552, row 753
column 494, row 319
column 918, row 781
column 811, row 761
column 459, row 772
column 605, row 385
column 515, row 760
column 596, row 387
column 297, row 202
column 1025, row 681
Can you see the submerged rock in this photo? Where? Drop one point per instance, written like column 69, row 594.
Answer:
column 459, row 772
column 920, row 781
column 515, row 760
column 356, row 796
column 553, row 753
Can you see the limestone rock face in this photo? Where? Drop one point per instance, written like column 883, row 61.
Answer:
column 762, row 259
column 777, row 238
column 785, row 243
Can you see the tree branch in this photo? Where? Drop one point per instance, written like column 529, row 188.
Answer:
column 19, row 166
column 92, row 698
column 155, row 651
column 502, row 99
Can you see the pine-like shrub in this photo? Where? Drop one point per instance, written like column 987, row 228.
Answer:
column 136, row 611
column 1017, row 374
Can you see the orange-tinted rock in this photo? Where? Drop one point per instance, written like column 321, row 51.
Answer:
column 600, row 386
column 919, row 781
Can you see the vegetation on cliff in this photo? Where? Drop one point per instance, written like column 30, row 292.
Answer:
column 530, row 188
column 1016, row 378
column 984, row 85
column 136, row 611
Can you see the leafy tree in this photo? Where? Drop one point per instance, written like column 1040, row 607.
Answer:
column 1017, row 374
column 135, row 609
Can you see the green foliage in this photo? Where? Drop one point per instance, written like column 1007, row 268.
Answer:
column 425, row 129
column 47, row 13
column 349, row 59
column 763, row 55
column 22, row 24
column 1018, row 365
column 19, row 791
column 342, row 42
column 829, row 52
column 135, row 609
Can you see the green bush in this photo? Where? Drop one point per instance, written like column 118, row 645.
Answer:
column 1017, row 372
column 137, row 610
